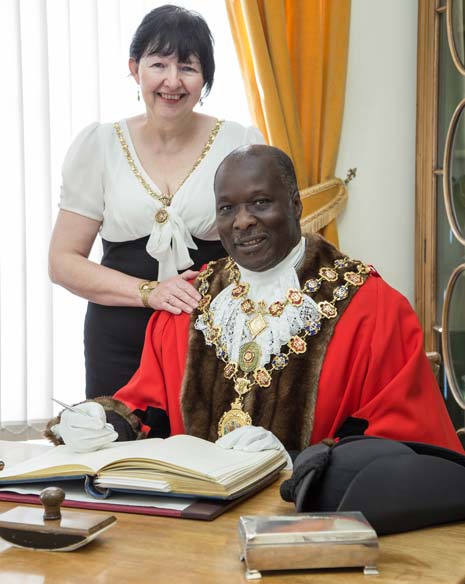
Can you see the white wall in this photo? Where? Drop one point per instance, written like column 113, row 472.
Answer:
column 378, row 137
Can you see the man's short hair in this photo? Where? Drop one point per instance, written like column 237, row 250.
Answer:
column 283, row 162
column 286, row 170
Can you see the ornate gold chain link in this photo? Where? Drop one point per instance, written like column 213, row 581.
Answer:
column 161, row 216
column 245, row 374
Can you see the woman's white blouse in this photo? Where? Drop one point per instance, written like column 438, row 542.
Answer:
column 99, row 183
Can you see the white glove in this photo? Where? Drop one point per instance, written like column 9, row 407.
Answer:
column 85, row 429
column 253, row 439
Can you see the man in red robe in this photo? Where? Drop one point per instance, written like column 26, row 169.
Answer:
column 290, row 335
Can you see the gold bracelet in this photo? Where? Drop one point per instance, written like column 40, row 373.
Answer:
column 145, row 288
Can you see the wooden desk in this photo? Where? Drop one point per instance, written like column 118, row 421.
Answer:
column 141, row 549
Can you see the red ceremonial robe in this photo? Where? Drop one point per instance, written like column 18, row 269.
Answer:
column 375, row 368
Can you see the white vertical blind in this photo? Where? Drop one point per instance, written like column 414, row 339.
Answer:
column 65, row 66
column 37, row 203
column 13, row 321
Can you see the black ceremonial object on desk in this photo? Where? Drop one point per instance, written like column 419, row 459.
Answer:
column 398, row 486
column 51, row 528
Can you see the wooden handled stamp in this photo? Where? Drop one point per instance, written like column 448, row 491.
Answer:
column 51, row 528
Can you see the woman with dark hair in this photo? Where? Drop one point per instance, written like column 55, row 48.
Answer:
column 146, row 184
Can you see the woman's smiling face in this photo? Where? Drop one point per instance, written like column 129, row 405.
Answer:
column 169, row 87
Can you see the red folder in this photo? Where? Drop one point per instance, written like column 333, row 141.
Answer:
column 203, row 509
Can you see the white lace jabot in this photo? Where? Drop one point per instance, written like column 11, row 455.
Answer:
column 269, row 286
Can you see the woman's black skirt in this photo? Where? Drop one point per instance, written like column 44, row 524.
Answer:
column 114, row 335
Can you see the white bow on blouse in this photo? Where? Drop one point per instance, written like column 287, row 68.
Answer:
column 168, row 244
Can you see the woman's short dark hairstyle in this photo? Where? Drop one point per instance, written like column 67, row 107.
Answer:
column 169, row 30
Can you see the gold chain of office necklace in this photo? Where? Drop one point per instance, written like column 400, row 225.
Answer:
column 161, row 216
column 246, row 374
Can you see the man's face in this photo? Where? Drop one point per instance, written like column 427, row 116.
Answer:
column 257, row 219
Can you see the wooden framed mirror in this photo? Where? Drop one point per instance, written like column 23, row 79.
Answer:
column 440, row 209
column 453, row 334
column 456, row 32
column 454, row 173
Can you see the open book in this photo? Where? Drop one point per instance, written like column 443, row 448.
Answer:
column 179, row 465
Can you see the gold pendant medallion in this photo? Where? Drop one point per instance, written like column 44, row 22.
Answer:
column 257, row 325
column 161, row 216
column 249, row 355
column 234, row 418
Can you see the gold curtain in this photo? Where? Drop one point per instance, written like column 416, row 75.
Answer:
column 293, row 56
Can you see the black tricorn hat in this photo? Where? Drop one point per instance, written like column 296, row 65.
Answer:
column 398, row 486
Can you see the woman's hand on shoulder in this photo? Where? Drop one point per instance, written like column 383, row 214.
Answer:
column 176, row 294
